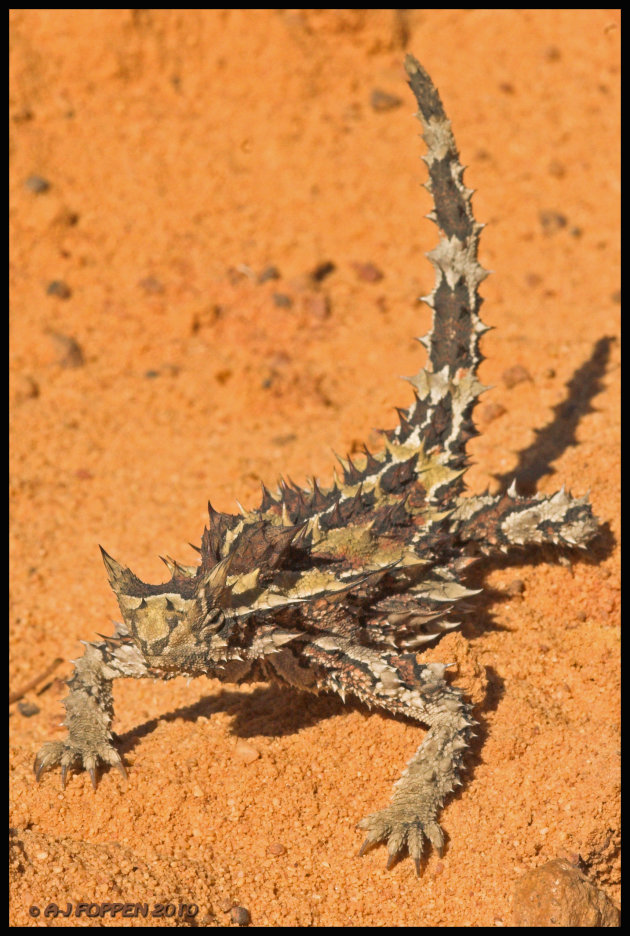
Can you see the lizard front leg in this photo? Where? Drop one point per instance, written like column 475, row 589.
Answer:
column 90, row 709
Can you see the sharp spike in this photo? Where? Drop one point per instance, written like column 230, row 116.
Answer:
column 178, row 570
column 405, row 426
column 169, row 563
column 216, row 578
column 352, row 475
column 319, row 500
column 267, row 501
column 115, row 570
column 372, row 464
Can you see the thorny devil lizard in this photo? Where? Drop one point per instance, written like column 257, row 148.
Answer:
column 336, row 589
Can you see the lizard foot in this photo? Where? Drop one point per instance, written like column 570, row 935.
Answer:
column 67, row 755
column 400, row 826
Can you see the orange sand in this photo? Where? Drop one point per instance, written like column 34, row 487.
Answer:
column 186, row 152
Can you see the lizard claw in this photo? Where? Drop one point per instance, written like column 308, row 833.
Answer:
column 401, row 829
column 68, row 755
column 365, row 848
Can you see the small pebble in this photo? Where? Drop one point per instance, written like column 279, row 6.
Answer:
column 152, row 286
column 282, row 301
column 70, row 351
column 515, row 375
column 69, row 218
column 269, row 273
column 37, row 184
column 24, row 388
column 284, row 439
column 368, row 272
column 222, row 376
column 532, row 280
column 322, row 270
column 382, row 101
column 317, row 306
column 552, row 221
column 276, row 848
column 556, row 169
column 245, row 752
column 491, row 411
column 516, row 587
column 59, row 288
column 552, row 54
column 241, row 916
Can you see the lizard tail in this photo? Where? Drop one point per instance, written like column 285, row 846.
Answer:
column 448, row 388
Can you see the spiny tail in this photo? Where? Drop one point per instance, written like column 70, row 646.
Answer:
column 447, row 390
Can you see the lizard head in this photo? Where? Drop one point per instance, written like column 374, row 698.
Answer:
column 163, row 620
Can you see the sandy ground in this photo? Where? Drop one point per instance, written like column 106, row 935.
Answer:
column 184, row 154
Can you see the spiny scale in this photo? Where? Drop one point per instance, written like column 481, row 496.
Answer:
column 334, row 588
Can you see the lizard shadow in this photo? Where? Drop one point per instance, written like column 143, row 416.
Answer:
column 270, row 710
column 535, row 461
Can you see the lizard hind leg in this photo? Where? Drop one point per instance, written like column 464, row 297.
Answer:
column 400, row 685
column 434, row 770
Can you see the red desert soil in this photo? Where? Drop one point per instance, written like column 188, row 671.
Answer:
column 161, row 162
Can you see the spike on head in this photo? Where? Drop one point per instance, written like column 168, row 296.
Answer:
column 178, row 570
column 121, row 579
column 216, row 579
column 115, row 570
